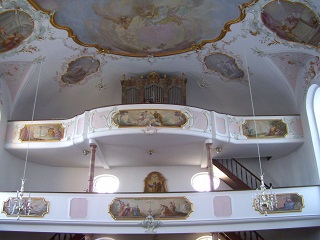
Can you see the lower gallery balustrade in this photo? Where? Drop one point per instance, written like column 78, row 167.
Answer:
column 128, row 213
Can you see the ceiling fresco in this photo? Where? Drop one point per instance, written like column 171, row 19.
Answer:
column 15, row 26
column 292, row 21
column 141, row 28
column 225, row 65
column 84, row 47
column 74, row 54
column 79, row 69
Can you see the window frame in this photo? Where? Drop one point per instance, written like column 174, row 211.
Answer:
column 101, row 176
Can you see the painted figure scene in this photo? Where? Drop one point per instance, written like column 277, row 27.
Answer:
column 140, row 208
column 264, row 128
column 292, row 21
column 32, row 207
column 44, row 132
column 159, row 117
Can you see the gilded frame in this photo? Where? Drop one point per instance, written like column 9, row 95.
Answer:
column 147, row 117
column 39, row 207
column 276, row 33
column 15, row 11
column 266, row 128
column 290, row 202
column 53, row 132
column 161, row 208
column 193, row 47
column 89, row 71
column 219, row 72
column 155, row 182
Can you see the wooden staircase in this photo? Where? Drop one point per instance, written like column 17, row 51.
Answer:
column 248, row 235
column 67, row 236
column 237, row 177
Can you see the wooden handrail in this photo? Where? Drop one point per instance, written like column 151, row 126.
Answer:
column 244, row 174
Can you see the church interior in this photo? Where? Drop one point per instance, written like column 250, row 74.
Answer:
column 159, row 120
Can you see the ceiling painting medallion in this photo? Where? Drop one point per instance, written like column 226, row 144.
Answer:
column 292, row 21
column 15, row 26
column 224, row 65
column 144, row 28
column 79, row 69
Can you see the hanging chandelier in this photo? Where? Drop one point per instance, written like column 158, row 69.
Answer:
column 22, row 204
column 263, row 201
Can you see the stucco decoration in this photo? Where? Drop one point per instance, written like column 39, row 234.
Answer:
column 289, row 63
column 312, row 71
column 79, row 69
column 142, row 28
column 224, row 65
column 13, row 74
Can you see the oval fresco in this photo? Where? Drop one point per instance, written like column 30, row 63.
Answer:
column 142, row 28
column 292, row 22
column 15, row 26
column 225, row 65
column 79, row 69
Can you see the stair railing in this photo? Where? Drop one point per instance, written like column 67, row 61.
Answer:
column 241, row 172
column 249, row 235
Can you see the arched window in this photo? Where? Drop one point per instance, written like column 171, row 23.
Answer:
column 105, row 183
column 204, row 238
column 105, row 238
column 313, row 113
column 200, row 182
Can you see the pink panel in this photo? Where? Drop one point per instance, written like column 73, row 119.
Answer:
column 234, row 128
column 70, row 130
column 220, row 125
column 9, row 133
column 222, row 206
column 201, row 122
column 297, row 128
column 98, row 121
column 80, row 126
column 78, row 208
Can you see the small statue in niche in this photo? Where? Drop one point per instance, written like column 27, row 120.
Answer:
column 155, row 183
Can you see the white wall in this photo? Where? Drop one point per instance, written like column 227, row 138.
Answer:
column 11, row 168
column 53, row 179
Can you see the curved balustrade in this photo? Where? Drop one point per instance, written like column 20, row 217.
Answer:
column 236, row 136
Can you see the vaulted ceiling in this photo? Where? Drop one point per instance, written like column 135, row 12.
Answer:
column 61, row 58
column 219, row 45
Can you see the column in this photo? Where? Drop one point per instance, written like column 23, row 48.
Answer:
column 91, row 169
column 209, row 163
column 215, row 236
